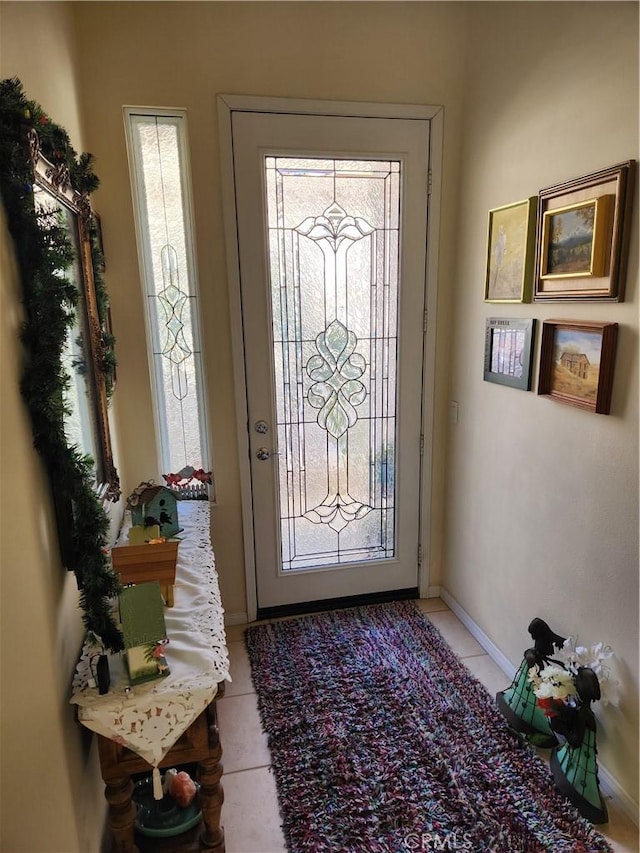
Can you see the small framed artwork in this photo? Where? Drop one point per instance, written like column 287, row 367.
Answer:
column 507, row 351
column 575, row 239
column 577, row 359
column 510, row 252
column 582, row 236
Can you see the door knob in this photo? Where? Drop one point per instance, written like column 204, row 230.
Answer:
column 263, row 453
column 261, row 426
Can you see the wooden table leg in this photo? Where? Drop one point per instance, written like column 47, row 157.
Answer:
column 211, row 799
column 122, row 814
column 211, row 794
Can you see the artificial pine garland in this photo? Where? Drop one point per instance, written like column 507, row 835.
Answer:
column 44, row 252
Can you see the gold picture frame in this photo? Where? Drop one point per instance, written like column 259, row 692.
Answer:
column 583, row 232
column 575, row 239
column 510, row 252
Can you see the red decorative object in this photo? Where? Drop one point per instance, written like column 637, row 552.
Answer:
column 182, row 789
column 189, row 482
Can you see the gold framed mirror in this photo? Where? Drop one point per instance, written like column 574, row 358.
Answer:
column 86, row 422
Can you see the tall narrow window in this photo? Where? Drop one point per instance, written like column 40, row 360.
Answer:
column 161, row 190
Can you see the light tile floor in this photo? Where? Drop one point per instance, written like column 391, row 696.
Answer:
column 250, row 813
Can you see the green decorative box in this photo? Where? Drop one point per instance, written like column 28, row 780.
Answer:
column 144, row 631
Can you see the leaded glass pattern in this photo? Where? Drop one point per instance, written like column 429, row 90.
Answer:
column 333, row 258
column 158, row 147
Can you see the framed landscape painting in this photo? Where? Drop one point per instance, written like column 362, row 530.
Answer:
column 582, row 236
column 574, row 239
column 510, row 252
column 576, row 363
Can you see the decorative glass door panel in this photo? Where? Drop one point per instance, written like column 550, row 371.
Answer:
column 333, row 269
column 331, row 225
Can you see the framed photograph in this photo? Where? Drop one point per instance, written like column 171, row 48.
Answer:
column 510, row 252
column 576, row 363
column 507, row 352
column 582, row 236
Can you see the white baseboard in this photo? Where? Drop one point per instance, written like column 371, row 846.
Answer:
column 235, row 619
column 610, row 786
column 475, row 630
column 608, row 783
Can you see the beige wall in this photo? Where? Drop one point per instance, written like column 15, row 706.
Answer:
column 542, row 498
column 182, row 55
column 51, row 789
column 521, row 113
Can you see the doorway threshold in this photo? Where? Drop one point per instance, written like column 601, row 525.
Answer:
column 300, row 608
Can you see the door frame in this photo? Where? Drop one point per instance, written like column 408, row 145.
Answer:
column 227, row 105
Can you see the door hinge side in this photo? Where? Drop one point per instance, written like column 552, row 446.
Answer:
column 429, row 182
column 419, row 555
column 421, row 444
column 425, row 320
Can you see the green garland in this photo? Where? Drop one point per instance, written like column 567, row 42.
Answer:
column 107, row 340
column 43, row 252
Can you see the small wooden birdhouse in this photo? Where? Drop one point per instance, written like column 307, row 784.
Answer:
column 150, row 504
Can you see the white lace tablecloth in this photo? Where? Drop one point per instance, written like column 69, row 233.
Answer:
column 149, row 718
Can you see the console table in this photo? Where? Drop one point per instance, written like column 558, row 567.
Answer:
column 172, row 720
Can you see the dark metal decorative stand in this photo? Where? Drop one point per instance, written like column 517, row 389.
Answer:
column 573, row 760
column 574, row 764
column 518, row 703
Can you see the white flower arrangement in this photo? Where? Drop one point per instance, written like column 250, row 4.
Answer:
column 555, row 682
column 574, row 656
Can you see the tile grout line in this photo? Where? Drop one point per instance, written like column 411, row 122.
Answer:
column 233, row 695
column 246, row 769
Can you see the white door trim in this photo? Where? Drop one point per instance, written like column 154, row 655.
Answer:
column 227, row 104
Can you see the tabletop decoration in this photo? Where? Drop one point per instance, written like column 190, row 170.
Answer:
column 144, row 556
column 190, row 483
column 155, row 505
column 145, row 633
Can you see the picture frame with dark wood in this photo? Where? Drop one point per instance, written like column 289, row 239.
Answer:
column 577, row 359
column 582, row 236
column 510, row 252
column 508, row 351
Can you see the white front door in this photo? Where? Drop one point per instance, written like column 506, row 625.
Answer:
column 331, row 228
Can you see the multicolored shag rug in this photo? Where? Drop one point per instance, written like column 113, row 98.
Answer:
column 382, row 741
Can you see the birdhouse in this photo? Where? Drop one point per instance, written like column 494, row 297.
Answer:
column 151, row 504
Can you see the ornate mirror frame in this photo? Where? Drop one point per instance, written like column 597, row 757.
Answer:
column 54, row 181
column 68, row 350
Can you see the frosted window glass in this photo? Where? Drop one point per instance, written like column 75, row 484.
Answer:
column 160, row 176
column 333, row 253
